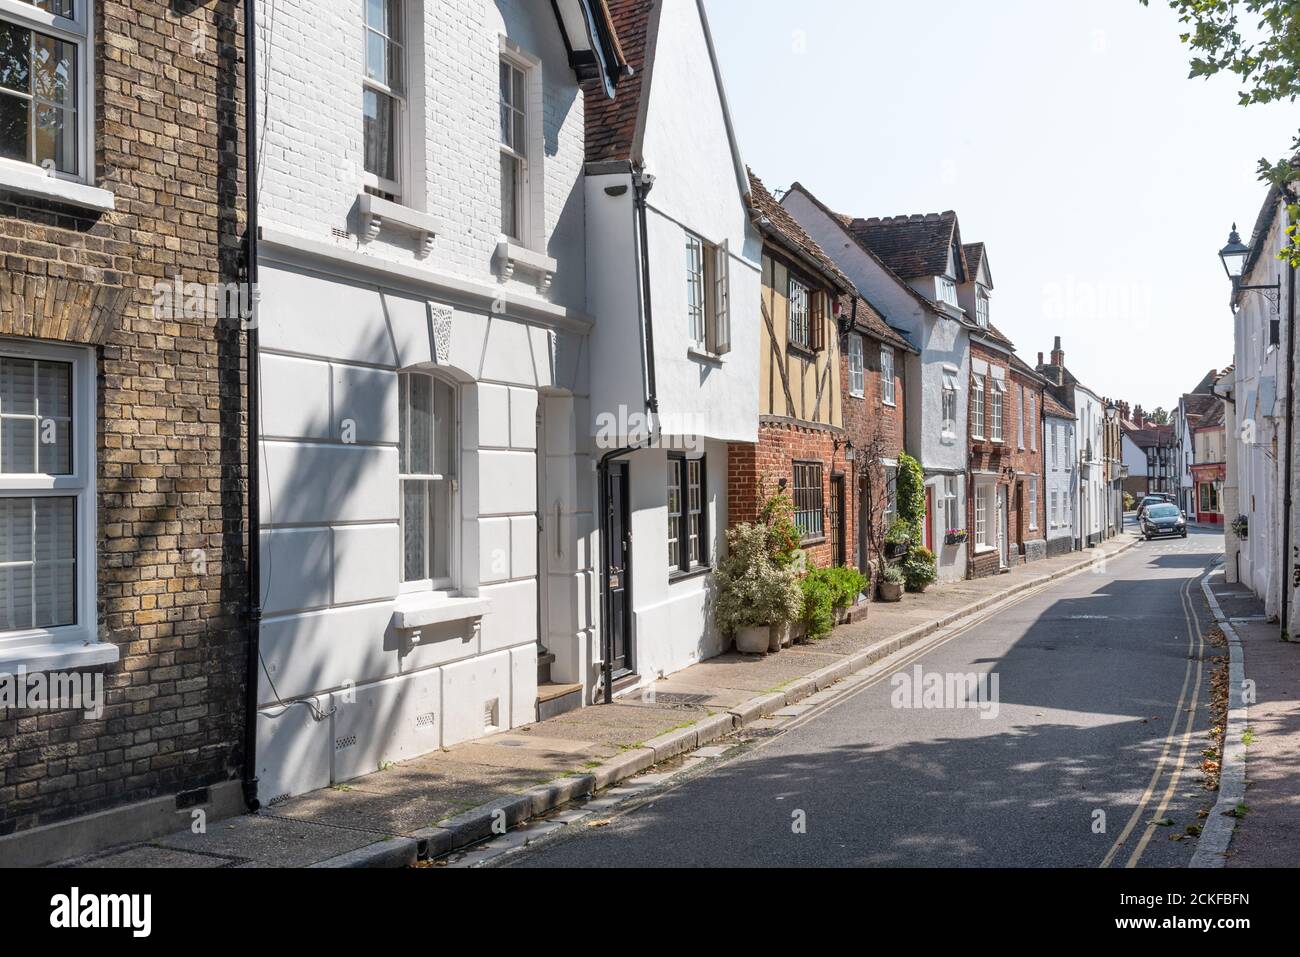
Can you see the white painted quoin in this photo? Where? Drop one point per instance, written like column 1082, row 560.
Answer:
column 685, row 270
column 425, row 507
column 939, row 375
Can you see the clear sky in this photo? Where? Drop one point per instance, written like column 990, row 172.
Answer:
column 1066, row 135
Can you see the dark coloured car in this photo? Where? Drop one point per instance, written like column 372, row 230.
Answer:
column 1163, row 519
column 1147, row 502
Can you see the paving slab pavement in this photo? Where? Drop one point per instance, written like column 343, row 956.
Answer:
column 408, row 801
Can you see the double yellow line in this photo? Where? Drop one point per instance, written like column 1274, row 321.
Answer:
column 1195, row 652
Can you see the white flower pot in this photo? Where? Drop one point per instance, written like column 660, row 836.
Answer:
column 754, row 640
column 778, row 636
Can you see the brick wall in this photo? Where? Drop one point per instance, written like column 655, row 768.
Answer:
column 754, row 472
column 870, row 423
column 169, row 445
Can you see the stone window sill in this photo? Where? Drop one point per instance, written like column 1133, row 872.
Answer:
column 30, row 181
column 416, row 611
column 57, row 656
column 512, row 256
column 703, row 355
column 377, row 212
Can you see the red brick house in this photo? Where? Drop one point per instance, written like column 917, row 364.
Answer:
column 874, row 357
column 802, row 443
column 1005, row 510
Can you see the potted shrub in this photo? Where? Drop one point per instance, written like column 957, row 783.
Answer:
column 847, row 584
column 818, row 604
column 754, row 592
column 919, row 569
column 891, row 584
column 898, row 539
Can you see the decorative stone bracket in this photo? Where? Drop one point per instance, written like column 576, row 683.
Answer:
column 377, row 212
column 512, row 256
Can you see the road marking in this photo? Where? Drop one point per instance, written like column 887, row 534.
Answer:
column 1164, row 754
column 1194, row 622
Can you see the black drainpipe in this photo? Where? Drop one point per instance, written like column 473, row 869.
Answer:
column 642, row 185
column 1287, row 561
column 253, row 656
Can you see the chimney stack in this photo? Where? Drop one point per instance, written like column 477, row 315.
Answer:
column 1058, row 356
column 1040, row 360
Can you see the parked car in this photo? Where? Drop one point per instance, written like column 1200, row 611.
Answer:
column 1163, row 519
column 1148, row 501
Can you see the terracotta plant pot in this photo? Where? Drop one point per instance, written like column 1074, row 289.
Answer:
column 890, row 592
column 754, row 640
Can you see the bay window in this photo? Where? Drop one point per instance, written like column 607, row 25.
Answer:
column 47, row 503
column 383, row 97
column 44, row 85
column 427, row 468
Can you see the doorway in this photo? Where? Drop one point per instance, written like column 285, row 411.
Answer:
column 839, row 554
column 1002, row 526
column 618, row 573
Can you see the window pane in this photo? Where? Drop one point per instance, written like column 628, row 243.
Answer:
column 380, row 127
column 439, row 529
column 15, row 57
column 376, row 57
column 38, row 586
column 509, row 196
column 53, row 69
column 415, row 525
column 421, row 425
column 54, row 138
column 18, row 446
column 14, row 127
column 443, row 432
column 17, row 386
column 54, row 389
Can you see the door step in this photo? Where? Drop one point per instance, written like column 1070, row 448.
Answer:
column 553, row 699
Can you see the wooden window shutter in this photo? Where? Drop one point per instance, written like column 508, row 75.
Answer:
column 722, row 300
column 817, row 335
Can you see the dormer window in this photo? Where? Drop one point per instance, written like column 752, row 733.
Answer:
column 981, row 309
column 947, row 290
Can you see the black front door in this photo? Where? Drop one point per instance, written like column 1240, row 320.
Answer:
column 618, row 584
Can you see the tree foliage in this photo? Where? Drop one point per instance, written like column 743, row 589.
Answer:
column 1258, row 41
column 911, row 495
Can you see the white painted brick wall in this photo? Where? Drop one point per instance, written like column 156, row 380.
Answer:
column 310, row 68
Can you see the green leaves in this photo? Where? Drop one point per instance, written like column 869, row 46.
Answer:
column 1268, row 67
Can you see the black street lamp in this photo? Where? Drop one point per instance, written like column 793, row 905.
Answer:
column 1234, row 256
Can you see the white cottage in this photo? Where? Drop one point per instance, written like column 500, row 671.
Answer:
column 673, row 265
column 911, row 267
column 423, row 328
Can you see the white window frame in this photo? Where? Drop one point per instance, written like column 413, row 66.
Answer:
column 1033, row 420
column 981, row 518
column 799, row 303
column 80, row 483
column 948, row 403
column 997, row 408
column 982, row 309
column 78, row 30
column 1033, row 502
column 1020, row 417
column 513, row 151
column 395, row 188
column 708, row 294
column 857, row 366
column 946, row 290
column 887, row 392
column 977, row 406
column 952, row 513
column 446, row 584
